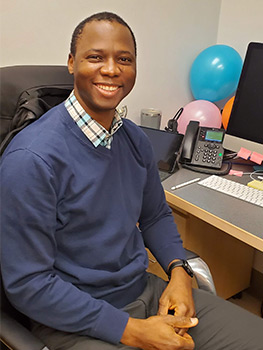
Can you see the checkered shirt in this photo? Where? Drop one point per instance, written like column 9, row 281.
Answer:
column 95, row 132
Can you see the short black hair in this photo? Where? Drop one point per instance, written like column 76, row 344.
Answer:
column 101, row 16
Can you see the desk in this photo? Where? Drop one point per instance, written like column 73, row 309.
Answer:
column 223, row 230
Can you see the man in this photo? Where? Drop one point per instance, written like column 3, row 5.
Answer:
column 78, row 181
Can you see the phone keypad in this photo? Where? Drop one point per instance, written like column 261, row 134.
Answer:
column 208, row 154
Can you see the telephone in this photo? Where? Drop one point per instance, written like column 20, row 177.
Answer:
column 202, row 146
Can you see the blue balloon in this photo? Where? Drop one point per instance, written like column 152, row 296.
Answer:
column 215, row 73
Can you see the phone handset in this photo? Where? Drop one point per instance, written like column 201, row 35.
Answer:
column 189, row 141
column 202, row 146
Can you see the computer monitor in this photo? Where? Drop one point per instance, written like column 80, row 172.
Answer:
column 245, row 125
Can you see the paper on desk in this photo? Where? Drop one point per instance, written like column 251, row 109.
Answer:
column 244, row 153
column 258, row 185
column 256, row 158
column 235, row 172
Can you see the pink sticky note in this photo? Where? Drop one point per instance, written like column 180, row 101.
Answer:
column 235, row 172
column 244, row 153
column 256, row 158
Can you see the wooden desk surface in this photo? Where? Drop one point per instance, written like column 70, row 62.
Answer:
column 236, row 217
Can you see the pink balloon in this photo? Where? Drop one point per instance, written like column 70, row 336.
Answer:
column 206, row 112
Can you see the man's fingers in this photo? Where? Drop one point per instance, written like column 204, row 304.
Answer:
column 187, row 336
column 189, row 343
column 181, row 331
column 182, row 321
column 163, row 309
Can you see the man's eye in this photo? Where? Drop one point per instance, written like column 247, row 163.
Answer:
column 94, row 58
column 126, row 60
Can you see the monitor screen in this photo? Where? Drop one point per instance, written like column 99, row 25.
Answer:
column 245, row 126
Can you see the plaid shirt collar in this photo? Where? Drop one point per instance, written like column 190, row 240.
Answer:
column 95, row 132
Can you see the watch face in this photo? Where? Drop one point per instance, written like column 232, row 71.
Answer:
column 181, row 263
column 188, row 268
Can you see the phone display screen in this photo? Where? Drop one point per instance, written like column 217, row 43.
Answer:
column 212, row 135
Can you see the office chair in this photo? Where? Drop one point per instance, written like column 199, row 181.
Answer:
column 15, row 332
column 202, row 272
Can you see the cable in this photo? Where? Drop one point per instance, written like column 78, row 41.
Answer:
column 231, row 155
column 209, row 171
column 259, row 172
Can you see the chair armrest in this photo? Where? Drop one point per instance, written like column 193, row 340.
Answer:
column 17, row 337
column 202, row 272
column 190, row 254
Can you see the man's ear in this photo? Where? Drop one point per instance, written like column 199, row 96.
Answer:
column 71, row 64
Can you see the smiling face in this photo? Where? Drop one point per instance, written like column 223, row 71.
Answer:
column 104, row 68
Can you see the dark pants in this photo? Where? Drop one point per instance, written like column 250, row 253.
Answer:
column 222, row 325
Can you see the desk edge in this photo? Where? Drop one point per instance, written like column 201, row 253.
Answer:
column 237, row 232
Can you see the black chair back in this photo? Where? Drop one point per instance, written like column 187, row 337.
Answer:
column 26, row 93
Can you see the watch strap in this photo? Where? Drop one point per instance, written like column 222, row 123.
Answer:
column 180, row 263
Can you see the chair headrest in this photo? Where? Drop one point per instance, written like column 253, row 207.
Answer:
column 16, row 79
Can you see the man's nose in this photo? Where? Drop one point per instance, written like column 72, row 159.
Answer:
column 110, row 67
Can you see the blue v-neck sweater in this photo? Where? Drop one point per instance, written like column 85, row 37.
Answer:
column 73, row 255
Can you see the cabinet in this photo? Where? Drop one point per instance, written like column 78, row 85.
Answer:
column 229, row 259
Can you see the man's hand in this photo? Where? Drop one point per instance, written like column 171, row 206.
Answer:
column 158, row 333
column 178, row 296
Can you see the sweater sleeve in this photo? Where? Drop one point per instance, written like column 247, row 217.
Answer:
column 156, row 220
column 28, row 225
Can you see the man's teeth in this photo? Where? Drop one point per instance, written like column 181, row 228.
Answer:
column 108, row 87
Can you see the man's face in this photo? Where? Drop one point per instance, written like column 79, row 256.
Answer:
column 104, row 66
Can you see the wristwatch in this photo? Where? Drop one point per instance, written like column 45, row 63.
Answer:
column 180, row 263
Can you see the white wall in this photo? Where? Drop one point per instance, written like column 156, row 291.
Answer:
column 170, row 33
column 240, row 23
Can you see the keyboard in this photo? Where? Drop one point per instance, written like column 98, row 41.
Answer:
column 234, row 189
